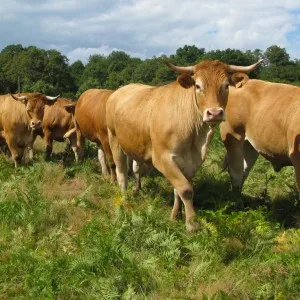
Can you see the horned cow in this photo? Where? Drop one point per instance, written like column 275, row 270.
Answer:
column 170, row 126
column 20, row 116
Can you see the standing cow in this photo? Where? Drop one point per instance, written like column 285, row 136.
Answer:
column 170, row 126
column 90, row 120
column 19, row 117
column 262, row 118
column 57, row 122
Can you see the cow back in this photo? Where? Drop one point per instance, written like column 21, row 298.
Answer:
column 90, row 114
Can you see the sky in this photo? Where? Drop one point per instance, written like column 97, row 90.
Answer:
column 147, row 28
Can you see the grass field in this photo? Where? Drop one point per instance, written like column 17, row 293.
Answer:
column 66, row 233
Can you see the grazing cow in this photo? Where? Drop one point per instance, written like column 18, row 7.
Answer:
column 170, row 126
column 262, row 118
column 19, row 117
column 57, row 122
column 90, row 120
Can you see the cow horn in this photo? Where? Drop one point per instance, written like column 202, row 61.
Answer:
column 52, row 98
column 19, row 98
column 247, row 69
column 178, row 69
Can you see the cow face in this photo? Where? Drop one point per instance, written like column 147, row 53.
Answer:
column 210, row 81
column 34, row 106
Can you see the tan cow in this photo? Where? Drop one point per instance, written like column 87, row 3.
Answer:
column 90, row 119
column 19, row 117
column 170, row 126
column 262, row 118
column 57, row 122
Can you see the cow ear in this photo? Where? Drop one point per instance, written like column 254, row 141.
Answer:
column 70, row 108
column 186, row 80
column 238, row 79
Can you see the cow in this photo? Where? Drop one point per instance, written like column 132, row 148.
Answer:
column 56, row 123
column 170, row 126
column 20, row 116
column 262, row 118
column 90, row 122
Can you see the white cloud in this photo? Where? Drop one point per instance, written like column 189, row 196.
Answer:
column 83, row 54
column 150, row 27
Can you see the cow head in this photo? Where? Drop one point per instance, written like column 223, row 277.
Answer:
column 210, row 81
column 34, row 106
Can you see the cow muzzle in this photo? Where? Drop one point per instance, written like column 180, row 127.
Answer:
column 35, row 124
column 213, row 115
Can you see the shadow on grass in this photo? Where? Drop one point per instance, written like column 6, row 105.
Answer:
column 286, row 211
column 213, row 194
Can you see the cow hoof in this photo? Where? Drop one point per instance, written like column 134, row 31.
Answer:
column 192, row 226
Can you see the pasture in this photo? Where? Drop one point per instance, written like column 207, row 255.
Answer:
column 66, row 233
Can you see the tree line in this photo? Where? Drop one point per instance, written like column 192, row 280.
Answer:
column 29, row 69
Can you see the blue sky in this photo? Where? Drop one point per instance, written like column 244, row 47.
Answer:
column 148, row 28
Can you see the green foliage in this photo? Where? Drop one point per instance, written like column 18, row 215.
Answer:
column 277, row 56
column 65, row 232
column 48, row 70
column 35, row 68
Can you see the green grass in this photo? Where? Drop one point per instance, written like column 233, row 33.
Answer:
column 65, row 233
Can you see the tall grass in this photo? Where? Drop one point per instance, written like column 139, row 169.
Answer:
column 65, row 233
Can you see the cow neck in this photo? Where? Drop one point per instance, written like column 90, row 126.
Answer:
column 197, row 110
column 188, row 111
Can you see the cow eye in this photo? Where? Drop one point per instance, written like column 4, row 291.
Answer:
column 198, row 87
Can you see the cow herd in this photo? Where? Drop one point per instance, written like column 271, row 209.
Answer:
column 168, row 127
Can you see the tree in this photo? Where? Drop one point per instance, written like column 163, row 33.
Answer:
column 57, row 72
column 146, row 71
column 96, row 69
column 76, row 69
column 277, row 56
column 188, row 54
column 117, row 61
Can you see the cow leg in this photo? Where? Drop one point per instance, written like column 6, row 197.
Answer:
column 295, row 159
column 120, row 160
column 73, row 143
column 166, row 165
column 296, row 163
column 16, row 152
column 49, row 145
column 250, row 157
column 109, row 158
column 102, row 161
column 136, row 168
column 30, row 145
column 235, row 163
column 177, row 207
